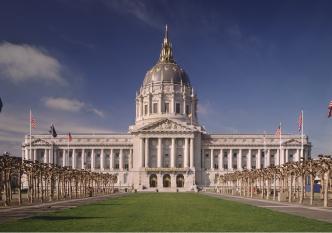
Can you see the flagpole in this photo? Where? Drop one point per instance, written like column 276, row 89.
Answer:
column 30, row 135
column 280, row 149
column 265, row 157
column 68, row 151
column 302, row 136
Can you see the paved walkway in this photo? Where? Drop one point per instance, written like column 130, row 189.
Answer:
column 8, row 214
column 318, row 213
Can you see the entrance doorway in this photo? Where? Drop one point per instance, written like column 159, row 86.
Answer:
column 153, row 181
column 167, row 181
column 179, row 181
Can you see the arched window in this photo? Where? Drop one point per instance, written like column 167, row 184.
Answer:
column 153, row 181
column 179, row 181
column 166, row 181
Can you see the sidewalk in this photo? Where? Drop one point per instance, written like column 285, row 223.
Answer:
column 318, row 213
column 8, row 214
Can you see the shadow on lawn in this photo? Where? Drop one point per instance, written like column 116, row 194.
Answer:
column 59, row 218
column 105, row 204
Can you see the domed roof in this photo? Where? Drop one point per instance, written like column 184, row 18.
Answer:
column 166, row 70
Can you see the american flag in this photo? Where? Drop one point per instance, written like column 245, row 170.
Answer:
column 33, row 122
column 330, row 109
column 300, row 121
column 278, row 131
column 70, row 138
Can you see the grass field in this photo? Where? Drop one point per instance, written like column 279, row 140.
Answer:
column 166, row 212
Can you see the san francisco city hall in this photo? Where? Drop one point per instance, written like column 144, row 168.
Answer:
column 166, row 149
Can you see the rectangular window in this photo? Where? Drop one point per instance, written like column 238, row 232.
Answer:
column 126, row 166
column 178, row 108
column 166, row 110
column 146, row 109
column 117, row 166
column 155, row 107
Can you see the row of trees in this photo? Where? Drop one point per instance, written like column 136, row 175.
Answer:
column 285, row 182
column 41, row 182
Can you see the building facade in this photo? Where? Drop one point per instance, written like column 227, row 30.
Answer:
column 166, row 148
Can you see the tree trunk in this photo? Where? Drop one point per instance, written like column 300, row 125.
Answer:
column 19, row 188
column 326, row 189
column 312, row 189
column 290, row 189
column 301, row 188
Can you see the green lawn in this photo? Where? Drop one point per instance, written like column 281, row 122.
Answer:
column 166, row 212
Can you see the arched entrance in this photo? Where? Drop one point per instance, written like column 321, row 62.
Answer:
column 153, row 181
column 166, row 181
column 179, row 181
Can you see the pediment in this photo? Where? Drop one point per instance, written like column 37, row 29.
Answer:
column 292, row 141
column 166, row 125
column 39, row 142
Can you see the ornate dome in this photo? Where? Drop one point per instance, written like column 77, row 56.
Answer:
column 166, row 70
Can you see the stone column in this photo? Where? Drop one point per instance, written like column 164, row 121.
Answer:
column 149, row 104
column 298, row 156
column 249, row 159
column 268, row 158
column 172, row 108
column 211, row 161
column 45, row 156
column 258, row 159
column 34, row 155
column 186, row 154
column 239, row 161
column 142, row 151
column 286, row 157
column 159, row 155
column 221, row 160
column 92, row 159
column 281, row 155
column 64, row 155
column 192, row 152
column 111, row 159
column 121, row 160
column 146, row 152
column 141, row 107
column 50, row 160
column 131, row 158
column 83, row 158
column 230, row 160
column 160, row 109
column 173, row 153
column 102, row 159
column 73, row 159
column 25, row 157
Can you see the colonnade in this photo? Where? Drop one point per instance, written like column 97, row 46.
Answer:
column 188, row 155
column 77, row 158
column 247, row 158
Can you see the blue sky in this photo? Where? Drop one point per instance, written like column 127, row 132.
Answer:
column 79, row 63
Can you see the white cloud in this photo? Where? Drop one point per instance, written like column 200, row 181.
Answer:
column 64, row 104
column 139, row 9
column 24, row 62
column 70, row 105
